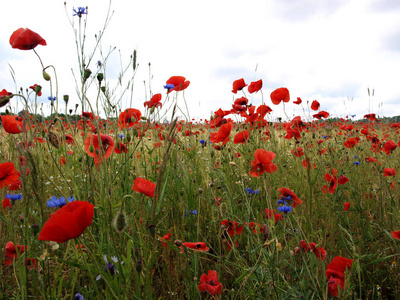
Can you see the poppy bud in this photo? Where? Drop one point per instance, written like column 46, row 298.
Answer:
column 152, row 110
column 86, row 73
column 35, row 229
column 38, row 89
column 91, row 148
column 120, row 222
column 223, row 208
column 97, row 151
column 66, row 98
column 103, row 89
column 53, row 140
column 100, row 77
column 266, row 232
column 143, row 118
column 139, row 266
column 46, row 76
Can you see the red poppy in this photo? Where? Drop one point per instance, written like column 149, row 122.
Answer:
column 87, row 114
column 165, row 238
column 319, row 252
column 69, row 140
column 179, row 82
column 120, row 148
column 238, row 85
column 13, row 124
column 280, row 94
column 8, row 174
column 15, row 185
column 232, row 227
column 255, row 228
column 321, row 114
column 346, row 206
column 332, row 180
column 33, row 87
column 26, row 39
column 286, row 193
column 6, row 203
column 210, row 284
column 307, row 164
column 389, row 147
column 262, row 163
column 107, row 144
column 241, row 101
column 4, row 97
column 154, row 101
column 371, row 117
column 389, row 172
column 144, row 186
column 396, row 234
column 298, row 101
column 129, row 117
column 68, row 222
column 335, row 274
column 270, row 213
column 12, row 252
column 342, row 180
column 200, row 246
column 315, row 105
column 298, row 152
column 222, row 135
column 370, row 159
column 350, row 143
column 254, row 87
column 241, row 137
column 30, row 263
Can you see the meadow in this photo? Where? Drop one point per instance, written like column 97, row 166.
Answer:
column 142, row 205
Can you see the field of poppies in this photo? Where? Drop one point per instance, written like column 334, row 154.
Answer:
column 137, row 205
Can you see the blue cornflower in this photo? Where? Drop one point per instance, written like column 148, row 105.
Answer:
column 285, row 208
column 58, row 202
column 109, row 267
column 352, row 116
column 324, row 136
column 356, row 163
column 169, row 86
column 355, row 156
column 202, row 142
column 252, row 192
column 191, row 212
column 52, row 99
column 99, row 63
column 14, row 197
column 81, row 11
column 78, row 296
column 121, row 136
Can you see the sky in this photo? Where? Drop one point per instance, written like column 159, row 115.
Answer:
column 330, row 51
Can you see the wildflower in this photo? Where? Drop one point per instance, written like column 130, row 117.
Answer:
column 232, row 227
column 68, row 222
column 270, row 213
column 144, row 186
column 315, row 105
column 262, row 163
column 285, row 193
column 251, row 192
column 200, row 246
column 356, row 163
column 222, row 135
column 26, row 39
column 335, row 274
column 109, row 267
column 191, row 212
column 165, row 238
column 30, row 263
column 13, row 124
column 14, row 197
column 52, row 99
column 389, row 172
column 298, row 101
column 179, row 83
column 389, row 147
column 81, row 11
column 285, row 208
column 58, row 202
column 319, row 252
column 346, row 206
column 209, row 283
column 241, row 137
column 78, row 296
column 129, row 117
column 87, row 114
column 154, row 101
column 280, row 94
column 8, row 174
column 107, row 143
column 396, row 234
column 254, row 87
column 37, row 89
column 238, row 85
column 12, row 251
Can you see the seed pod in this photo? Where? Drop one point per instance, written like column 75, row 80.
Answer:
column 46, row 76
column 266, row 232
column 120, row 222
column 53, row 140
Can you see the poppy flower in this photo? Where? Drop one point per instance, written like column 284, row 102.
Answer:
column 335, row 274
column 107, row 144
column 241, row 101
column 346, row 206
column 319, row 252
column 286, row 193
column 222, row 135
column 350, row 143
column 26, row 39
column 241, row 137
column 270, row 213
column 87, row 114
column 321, row 114
column 12, row 252
column 307, row 164
column 389, row 172
column 232, row 227
column 389, row 147
column 129, row 117
column 209, row 283
column 4, row 97
column 371, row 117
column 298, row 101
column 238, row 85
column 262, row 163
column 332, row 180
column 144, row 186
column 8, row 174
column 30, row 263
column 33, row 87
column 255, row 228
column 13, row 124
column 69, row 140
column 342, row 180
column 200, row 246
column 396, row 234
column 177, row 83
column 165, row 238
column 120, row 148
column 254, row 87
column 154, row 101
column 68, row 222
column 298, row 152
column 315, row 105
column 280, row 94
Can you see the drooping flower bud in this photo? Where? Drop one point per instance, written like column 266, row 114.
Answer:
column 120, row 222
column 38, row 89
column 86, row 73
column 100, row 77
column 46, row 76
column 53, row 140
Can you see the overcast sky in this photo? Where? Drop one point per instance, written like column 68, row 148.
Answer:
column 330, row 51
